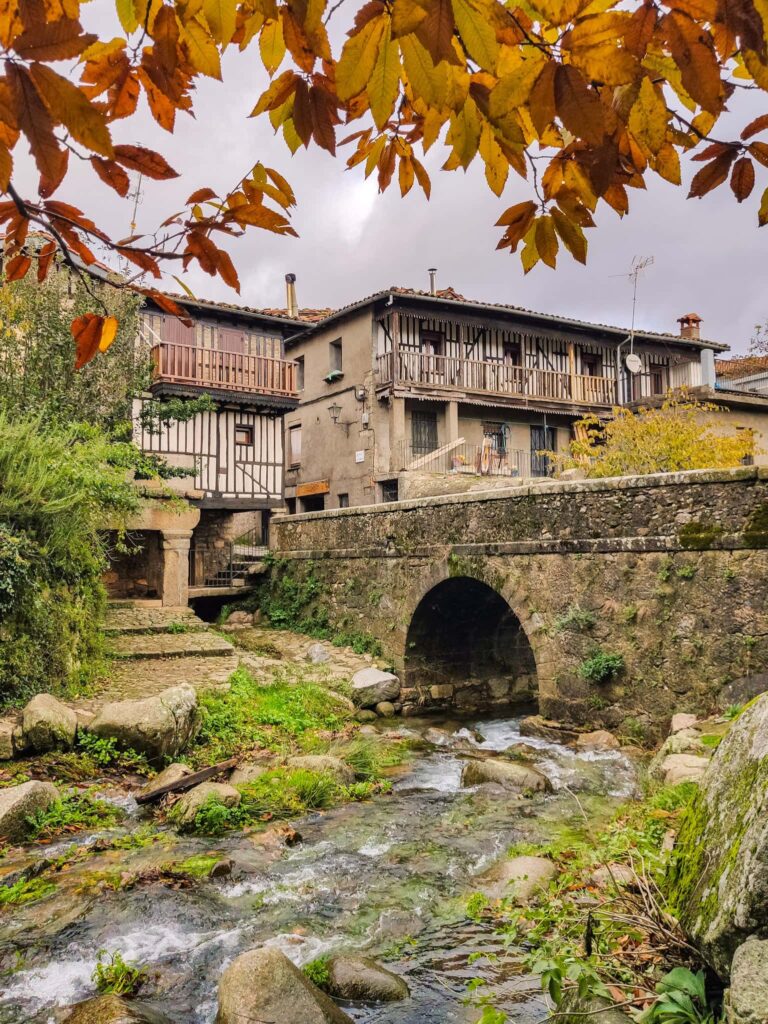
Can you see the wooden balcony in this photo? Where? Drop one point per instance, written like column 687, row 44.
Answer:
column 450, row 373
column 224, row 371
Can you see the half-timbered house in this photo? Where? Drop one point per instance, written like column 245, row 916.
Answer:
column 404, row 385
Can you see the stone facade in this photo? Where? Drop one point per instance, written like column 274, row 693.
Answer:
column 669, row 572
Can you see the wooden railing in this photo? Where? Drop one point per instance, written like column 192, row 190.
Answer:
column 228, row 371
column 459, row 374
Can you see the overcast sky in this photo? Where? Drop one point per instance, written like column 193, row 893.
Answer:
column 709, row 255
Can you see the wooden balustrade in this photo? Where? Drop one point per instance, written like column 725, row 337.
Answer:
column 455, row 373
column 227, row 371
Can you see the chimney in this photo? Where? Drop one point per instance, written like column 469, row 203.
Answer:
column 690, row 326
column 432, row 272
column 291, row 305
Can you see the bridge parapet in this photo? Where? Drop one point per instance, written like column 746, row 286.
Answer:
column 669, row 572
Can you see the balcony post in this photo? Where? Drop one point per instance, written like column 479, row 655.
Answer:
column 451, row 421
column 395, row 321
column 572, row 371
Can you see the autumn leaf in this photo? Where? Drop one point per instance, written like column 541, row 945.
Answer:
column 578, row 106
column 743, row 178
column 86, row 331
column 35, row 121
column 712, row 174
column 146, row 161
column 477, row 32
column 517, row 220
column 762, row 217
column 108, row 333
column 68, row 106
column 570, row 234
column 272, row 45
column 111, row 174
column 384, row 84
column 52, row 40
column 648, row 117
column 358, row 59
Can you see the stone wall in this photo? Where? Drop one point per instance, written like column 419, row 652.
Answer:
column 668, row 571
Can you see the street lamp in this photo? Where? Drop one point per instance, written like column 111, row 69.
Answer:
column 334, row 411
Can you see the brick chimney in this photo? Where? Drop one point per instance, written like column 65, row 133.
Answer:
column 291, row 303
column 690, row 326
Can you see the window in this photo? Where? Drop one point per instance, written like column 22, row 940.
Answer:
column 543, row 439
column 290, row 505
column 511, row 353
column 389, row 490
column 591, row 364
column 433, row 343
column 313, row 503
column 658, row 375
column 294, row 444
column 300, row 373
column 497, row 432
column 423, row 432
column 243, row 434
column 334, row 356
column 343, row 501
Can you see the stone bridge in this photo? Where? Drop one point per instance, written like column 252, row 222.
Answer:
column 610, row 601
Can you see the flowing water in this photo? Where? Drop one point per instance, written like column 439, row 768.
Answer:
column 388, row 877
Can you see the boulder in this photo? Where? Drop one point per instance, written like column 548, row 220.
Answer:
column 361, row 979
column 366, row 715
column 682, row 721
column 263, row 985
column 518, row 878
column 47, row 724
column 683, row 768
column 185, row 810
column 609, row 876
column 747, row 998
column 7, row 727
column 385, row 709
column 600, row 739
column 84, row 719
column 158, row 726
column 317, row 654
column 370, row 686
column 246, row 771
column 679, row 744
column 113, row 1010
column 240, row 618
column 535, row 725
column 326, row 765
column 17, row 803
column 718, row 876
column 173, row 773
column 509, row 774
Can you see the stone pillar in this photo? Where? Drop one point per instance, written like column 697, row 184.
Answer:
column 398, row 454
column 451, row 422
column 175, row 585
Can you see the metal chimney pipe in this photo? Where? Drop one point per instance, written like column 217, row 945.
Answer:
column 432, row 272
column 291, row 304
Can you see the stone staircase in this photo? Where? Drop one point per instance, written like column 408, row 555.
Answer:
column 155, row 647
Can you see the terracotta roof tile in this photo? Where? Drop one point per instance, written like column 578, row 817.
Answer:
column 740, row 366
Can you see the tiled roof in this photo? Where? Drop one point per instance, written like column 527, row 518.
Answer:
column 472, row 305
column 740, row 366
column 305, row 316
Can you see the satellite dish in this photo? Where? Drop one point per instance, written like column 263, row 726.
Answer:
column 633, row 363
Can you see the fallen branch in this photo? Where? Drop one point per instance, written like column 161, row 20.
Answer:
column 187, row 781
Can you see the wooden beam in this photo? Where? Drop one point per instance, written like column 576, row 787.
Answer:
column 424, row 460
column 187, row 781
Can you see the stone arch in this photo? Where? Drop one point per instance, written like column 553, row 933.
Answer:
column 467, row 644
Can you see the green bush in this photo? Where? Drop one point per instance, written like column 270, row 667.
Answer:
column 317, row 972
column 73, row 812
column 115, row 976
column 601, row 667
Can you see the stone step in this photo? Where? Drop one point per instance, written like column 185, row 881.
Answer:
column 131, row 679
column 170, row 645
column 126, row 620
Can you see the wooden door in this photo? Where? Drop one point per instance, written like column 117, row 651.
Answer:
column 542, row 439
column 423, row 432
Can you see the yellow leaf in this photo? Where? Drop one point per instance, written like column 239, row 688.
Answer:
column 419, row 70
column 272, row 45
column 384, row 84
column 513, row 89
column 202, row 50
column 464, row 135
column 290, row 135
column 496, row 164
column 667, row 163
column 70, row 107
column 546, row 241
column 126, row 12
column 571, row 235
column 477, row 32
column 607, row 64
column 560, row 12
column 648, row 117
column 221, row 16
column 407, row 15
column 358, row 58
column 108, row 332
column 762, row 216
column 405, row 175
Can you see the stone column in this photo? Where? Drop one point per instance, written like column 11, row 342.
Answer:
column 175, row 588
column 398, row 455
column 451, row 422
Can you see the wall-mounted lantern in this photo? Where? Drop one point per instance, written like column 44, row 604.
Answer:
column 334, row 411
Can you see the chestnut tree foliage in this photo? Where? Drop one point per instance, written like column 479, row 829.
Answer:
column 581, row 98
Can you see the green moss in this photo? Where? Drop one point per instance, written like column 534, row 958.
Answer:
column 756, row 528
column 198, row 866
column 25, row 890
column 698, row 536
column 317, row 972
column 73, row 812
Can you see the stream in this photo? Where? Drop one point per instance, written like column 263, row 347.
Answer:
column 388, row 877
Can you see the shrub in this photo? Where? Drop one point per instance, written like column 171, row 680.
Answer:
column 601, row 667
column 115, row 976
column 575, row 618
column 73, row 812
column 317, row 972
